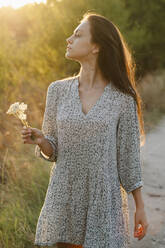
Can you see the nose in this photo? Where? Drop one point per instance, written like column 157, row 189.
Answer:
column 69, row 40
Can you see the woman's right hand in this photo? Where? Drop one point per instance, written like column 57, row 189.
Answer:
column 32, row 135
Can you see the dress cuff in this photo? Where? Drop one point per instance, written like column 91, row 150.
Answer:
column 135, row 186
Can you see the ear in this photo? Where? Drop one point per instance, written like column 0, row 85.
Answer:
column 95, row 49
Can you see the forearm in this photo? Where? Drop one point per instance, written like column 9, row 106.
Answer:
column 137, row 195
column 46, row 147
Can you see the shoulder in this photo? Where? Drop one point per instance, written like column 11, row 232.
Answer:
column 126, row 102
column 122, row 98
column 129, row 106
column 61, row 85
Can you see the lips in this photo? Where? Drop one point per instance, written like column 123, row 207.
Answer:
column 68, row 47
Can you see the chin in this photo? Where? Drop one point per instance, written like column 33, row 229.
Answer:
column 67, row 55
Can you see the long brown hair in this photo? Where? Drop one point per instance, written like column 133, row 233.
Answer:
column 114, row 59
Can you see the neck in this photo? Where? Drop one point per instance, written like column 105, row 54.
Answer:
column 90, row 78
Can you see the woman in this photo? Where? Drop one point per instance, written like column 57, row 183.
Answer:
column 91, row 132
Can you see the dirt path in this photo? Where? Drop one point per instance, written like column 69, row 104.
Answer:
column 153, row 169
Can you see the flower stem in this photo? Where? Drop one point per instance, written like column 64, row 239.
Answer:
column 25, row 123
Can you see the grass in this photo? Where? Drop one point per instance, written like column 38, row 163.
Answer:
column 22, row 197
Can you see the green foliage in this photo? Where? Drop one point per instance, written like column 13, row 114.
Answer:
column 146, row 32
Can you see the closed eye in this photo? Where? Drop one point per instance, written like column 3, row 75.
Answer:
column 76, row 35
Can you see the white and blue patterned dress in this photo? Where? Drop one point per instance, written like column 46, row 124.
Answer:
column 96, row 163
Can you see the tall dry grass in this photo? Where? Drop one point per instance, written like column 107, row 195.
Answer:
column 22, row 195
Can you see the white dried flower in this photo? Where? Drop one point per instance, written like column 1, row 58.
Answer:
column 18, row 109
column 22, row 116
column 13, row 108
column 23, row 106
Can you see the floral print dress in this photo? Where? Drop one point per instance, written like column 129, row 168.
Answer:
column 96, row 163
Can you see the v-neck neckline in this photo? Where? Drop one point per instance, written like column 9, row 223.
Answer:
column 95, row 104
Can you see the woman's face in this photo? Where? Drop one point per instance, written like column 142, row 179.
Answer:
column 79, row 43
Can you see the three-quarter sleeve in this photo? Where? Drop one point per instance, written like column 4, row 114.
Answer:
column 128, row 147
column 49, row 124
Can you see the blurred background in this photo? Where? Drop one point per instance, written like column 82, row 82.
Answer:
column 32, row 55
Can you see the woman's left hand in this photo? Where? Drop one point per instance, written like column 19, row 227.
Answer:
column 140, row 219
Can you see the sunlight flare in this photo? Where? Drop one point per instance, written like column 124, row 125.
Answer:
column 17, row 3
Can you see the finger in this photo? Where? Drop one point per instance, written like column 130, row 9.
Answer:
column 26, row 141
column 32, row 129
column 138, row 236
column 142, row 234
column 144, row 227
column 141, row 237
column 138, row 233
column 29, row 129
column 29, row 142
column 136, row 224
column 26, row 135
column 25, row 131
column 136, row 227
column 25, row 138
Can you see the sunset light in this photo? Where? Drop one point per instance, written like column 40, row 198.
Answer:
column 18, row 3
